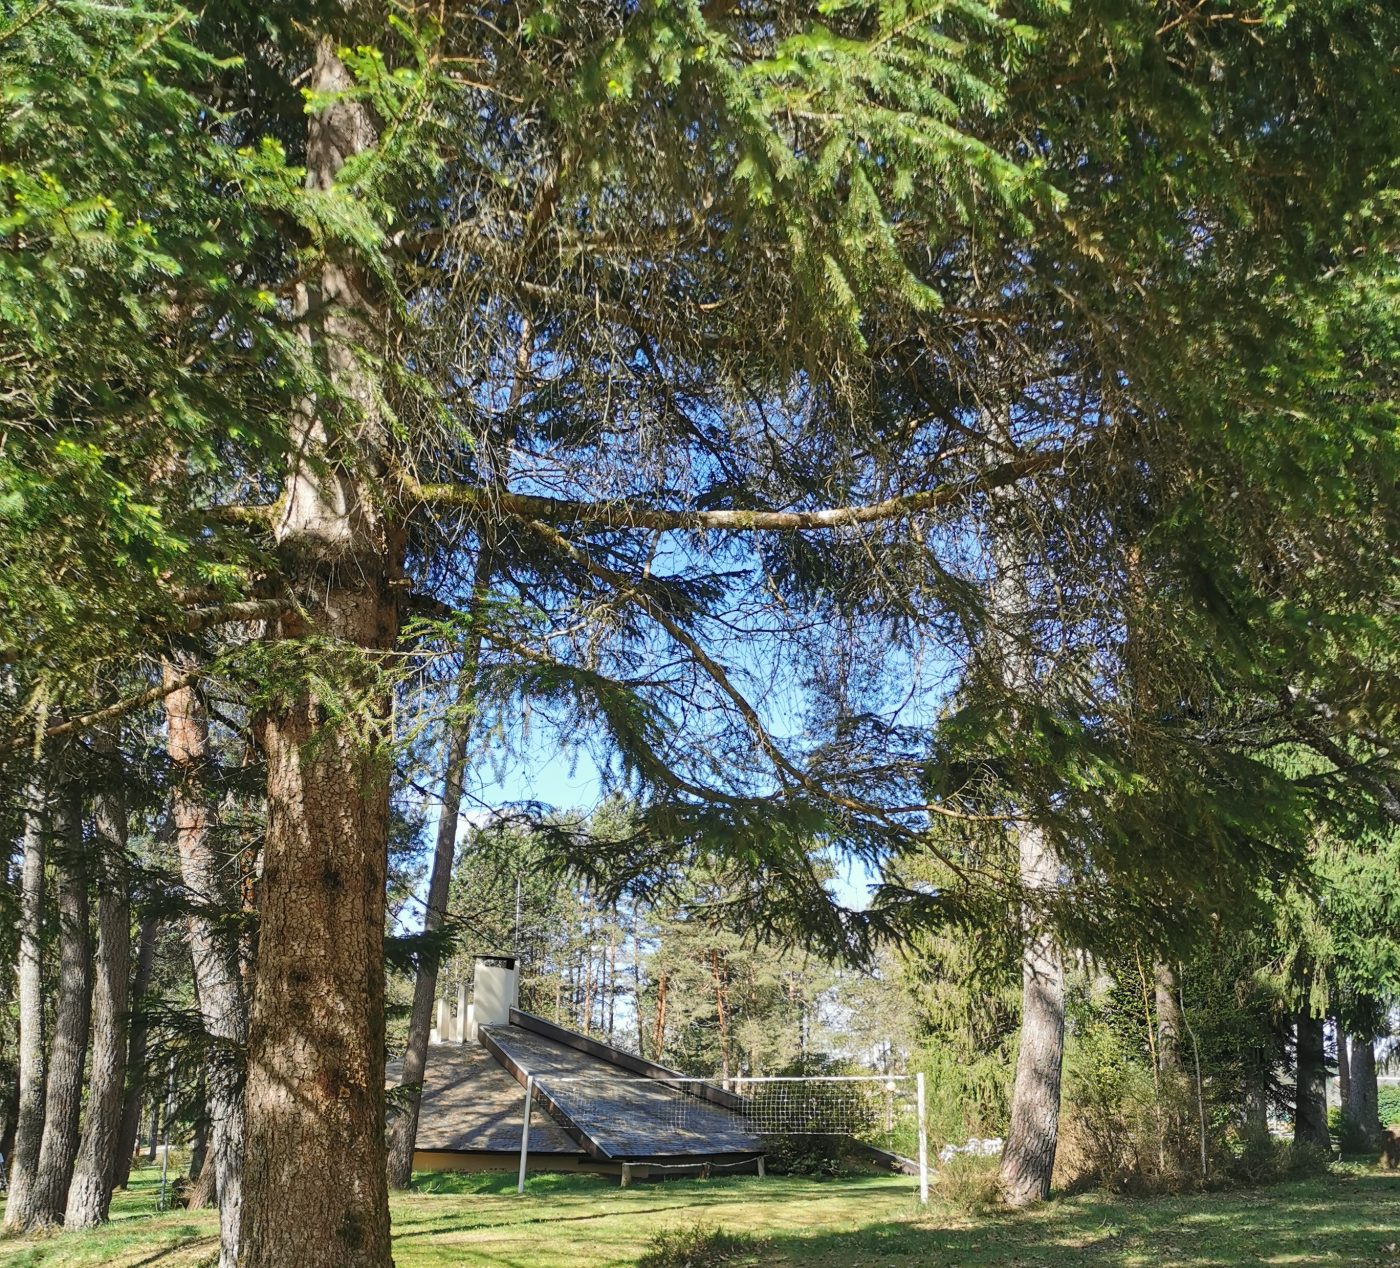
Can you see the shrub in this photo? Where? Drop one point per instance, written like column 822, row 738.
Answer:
column 969, row 1182
column 701, row 1245
column 1120, row 1129
column 1262, row 1159
column 1350, row 1136
column 1388, row 1102
column 816, row 1156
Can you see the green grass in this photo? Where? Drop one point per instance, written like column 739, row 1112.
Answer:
column 1351, row 1216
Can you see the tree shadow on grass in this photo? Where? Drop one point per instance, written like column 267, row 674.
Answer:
column 1353, row 1220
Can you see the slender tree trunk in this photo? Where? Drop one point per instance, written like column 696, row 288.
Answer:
column 1168, row 1007
column 403, row 1131
column 1028, row 1160
column 317, row 1194
column 1343, row 1067
column 29, row 1119
column 1364, row 1106
column 136, row 1054
column 611, row 976
column 1256, row 1092
column 1310, row 1100
column 213, row 951
column 721, row 1011
column 637, row 983
column 404, row 1128
column 658, row 1022
column 63, row 1100
column 199, row 1144
column 90, row 1193
column 11, row 1110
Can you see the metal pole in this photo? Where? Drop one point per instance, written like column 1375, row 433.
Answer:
column 525, row 1130
column 923, row 1142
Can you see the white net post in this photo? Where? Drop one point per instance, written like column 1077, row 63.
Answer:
column 525, row 1131
column 923, row 1140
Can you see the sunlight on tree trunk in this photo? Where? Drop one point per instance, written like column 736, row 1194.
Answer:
column 63, row 1101
column 29, row 1124
column 1028, row 1161
column 90, row 1194
column 213, row 950
column 317, row 1193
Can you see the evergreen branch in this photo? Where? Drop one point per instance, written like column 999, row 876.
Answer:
column 720, row 677
column 625, row 514
column 87, row 721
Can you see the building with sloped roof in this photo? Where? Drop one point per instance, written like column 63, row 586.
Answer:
column 593, row 1106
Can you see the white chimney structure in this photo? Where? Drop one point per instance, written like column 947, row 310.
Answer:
column 495, row 991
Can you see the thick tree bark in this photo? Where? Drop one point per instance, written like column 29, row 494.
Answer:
column 1028, row 1160
column 29, row 1120
column 204, row 1186
column 214, row 951
column 403, row 1131
column 136, row 1054
column 1364, row 1105
column 199, row 1144
column 1168, row 1004
column 1310, row 1098
column 63, row 1099
column 203, row 1179
column 90, row 1193
column 316, row 1190
column 316, row 1049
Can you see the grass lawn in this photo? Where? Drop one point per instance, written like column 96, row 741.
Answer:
column 1351, row 1216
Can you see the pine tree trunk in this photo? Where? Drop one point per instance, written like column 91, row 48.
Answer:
column 213, row 950
column 203, row 1168
column 204, row 1190
column 1343, row 1067
column 1168, row 1004
column 1310, row 1102
column 1256, row 1092
column 29, row 1118
column 90, row 1193
column 1028, row 1160
column 63, row 1100
column 136, row 1054
column 403, row 1130
column 316, row 1193
column 1364, row 1105
column 199, row 1144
